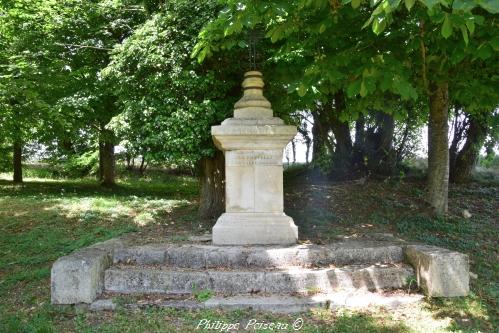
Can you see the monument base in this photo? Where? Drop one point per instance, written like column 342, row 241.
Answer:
column 255, row 228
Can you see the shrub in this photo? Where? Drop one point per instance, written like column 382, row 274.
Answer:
column 78, row 165
column 5, row 159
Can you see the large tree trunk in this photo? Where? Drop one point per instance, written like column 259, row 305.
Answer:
column 459, row 128
column 466, row 158
column 438, row 148
column 358, row 152
column 17, row 162
column 400, row 151
column 383, row 157
column 320, row 129
column 106, row 158
column 212, row 198
column 343, row 153
column 343, row 150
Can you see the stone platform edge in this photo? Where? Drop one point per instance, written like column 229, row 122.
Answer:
column 79, row 277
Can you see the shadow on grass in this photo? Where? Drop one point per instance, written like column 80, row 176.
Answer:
column 171, row 320
column 359, row 322
column 41, row 221
column 468, row 314
column 185, row 187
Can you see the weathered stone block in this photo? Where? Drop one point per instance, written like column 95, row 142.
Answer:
column 364, row 252
column 234, row 282
column 103, row 305
column 143, row 255
column 79, row 277
column 297, row 280
column 440, row 272
column 254, row 228
column 186, row 256
column 230, row 256
column 276, row 256
column 381, row 276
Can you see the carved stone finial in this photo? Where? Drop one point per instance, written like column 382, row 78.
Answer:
column 253, row 104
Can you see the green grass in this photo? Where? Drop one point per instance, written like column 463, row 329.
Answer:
column 325, row 211
column 46, row 218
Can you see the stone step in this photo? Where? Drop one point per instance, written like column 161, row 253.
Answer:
column 293, row 304
column 276, row 303
column 129, row 280
column 200, row 256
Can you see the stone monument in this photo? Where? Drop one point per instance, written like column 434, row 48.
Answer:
column 248, row 274
column 253, row 142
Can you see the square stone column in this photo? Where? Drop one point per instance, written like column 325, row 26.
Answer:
column 253, row 142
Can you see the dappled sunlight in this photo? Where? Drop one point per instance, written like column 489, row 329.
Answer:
column 343, row 320
column 467, row 311
column 411, row 318
column 46, row 218
column 140, row 211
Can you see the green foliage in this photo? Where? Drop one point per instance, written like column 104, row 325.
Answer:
column 51, row 89
column 445, row 232
column 203, row 295
column 412, row 50
column 24, row 65
column 169, row 100
column 323, row 160
column 78, row 165
column 5, row 159
column 491, row 161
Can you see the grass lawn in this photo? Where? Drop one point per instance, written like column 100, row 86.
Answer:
column 45, row 218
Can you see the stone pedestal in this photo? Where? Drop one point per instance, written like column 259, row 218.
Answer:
column 253, row 142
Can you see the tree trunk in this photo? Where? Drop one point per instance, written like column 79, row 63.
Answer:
column 459, row 128
column 359, row 131
column 101, row 160
column 308, row 141
column 128, row 161
column 466, row 158
column 438, row 148
column 17, row 162
column 212, row 198
column 319, row 134
column 401, row 149
column 143, row 165
column 358, row 146
column 307, row 152
column 66, row 146
column 343, row 151
column 384, row 156
column 293, row 148
column 106, row 158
